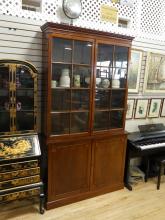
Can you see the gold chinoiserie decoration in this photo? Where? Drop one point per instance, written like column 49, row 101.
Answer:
column 19, row 173
column 19, row 166
column 19, row 182
column 19, row 195
column 18, row 147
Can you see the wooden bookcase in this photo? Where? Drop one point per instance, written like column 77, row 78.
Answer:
column 84, row 111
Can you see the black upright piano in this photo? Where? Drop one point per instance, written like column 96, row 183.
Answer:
column 148, row 141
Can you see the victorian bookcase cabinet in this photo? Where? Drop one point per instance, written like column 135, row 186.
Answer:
column 84, row 116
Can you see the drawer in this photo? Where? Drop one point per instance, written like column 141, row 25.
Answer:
column 19, row 182
column 18, row 166
column 19, row 174
column 19, row 195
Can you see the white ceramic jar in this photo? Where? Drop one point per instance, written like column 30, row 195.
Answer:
column 77, row 80
column 64, row 79
column 98, row 81
column 115, row 83
column 53, row 84
column 105, row 83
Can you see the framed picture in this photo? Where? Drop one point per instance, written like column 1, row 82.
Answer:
column 163, row 109
column 154, row 81
column 130, row 107
column 141, row 108
column 154, row 109
column 134, row 71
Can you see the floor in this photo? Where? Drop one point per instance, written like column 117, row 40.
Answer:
column 145, row 202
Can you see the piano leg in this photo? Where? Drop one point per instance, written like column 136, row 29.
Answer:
column 147, row 168
column 127, row 171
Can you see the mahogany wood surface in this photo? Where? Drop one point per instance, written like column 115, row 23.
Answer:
column 84, row 164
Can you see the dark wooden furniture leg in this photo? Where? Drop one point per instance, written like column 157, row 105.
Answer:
column 147, row 168
column 42, row 200
column 127, row 171
column 159, row 175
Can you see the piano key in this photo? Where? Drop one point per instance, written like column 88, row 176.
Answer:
column 149, row 146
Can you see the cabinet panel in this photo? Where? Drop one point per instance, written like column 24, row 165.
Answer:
column 108, row 162
column 69, row 169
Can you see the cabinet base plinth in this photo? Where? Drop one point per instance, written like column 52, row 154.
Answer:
column 82, row 196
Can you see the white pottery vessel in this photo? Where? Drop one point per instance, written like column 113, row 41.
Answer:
column 105, row 83
column 53, row 84
column 87, row 80
column 64, row 79
column 115, row 83
column 77, row 80
column 98, row 81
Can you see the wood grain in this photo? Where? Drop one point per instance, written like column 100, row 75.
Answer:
column 143, row 203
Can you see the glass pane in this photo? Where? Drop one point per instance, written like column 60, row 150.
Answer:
column 81, row 76
column 4, row 99
column 24, row 120
column 102, row 99
column 80, row 100
column 119, row 78
column 103, row 77
column 101, row 120
column 117, row 99
column 4, row 78
column 24, row 78
column 4, row 121
column 105, row 55
column 121, row 57
column 62, row 50
column 116, row 119
column 61, row 99
column 82, row 52
column 60, row 123
column 61, row 75
column 24, row 99
column 79, row 122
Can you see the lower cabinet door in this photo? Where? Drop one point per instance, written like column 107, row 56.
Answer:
column 108, row 162
column 68, row 169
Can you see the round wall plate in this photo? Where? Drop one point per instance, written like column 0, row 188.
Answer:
column 72, row 8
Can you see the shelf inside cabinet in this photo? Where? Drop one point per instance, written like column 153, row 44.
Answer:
column 70, row 88
column 72, row 111
column 75, row 64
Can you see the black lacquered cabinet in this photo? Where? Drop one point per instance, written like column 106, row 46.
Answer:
column 19, row 146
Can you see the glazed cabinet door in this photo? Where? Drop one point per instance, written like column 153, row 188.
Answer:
column 68, row 169
column 18, row 97
column 110, row 87
column 25, row 96
column 108, row 162
column 70, row 86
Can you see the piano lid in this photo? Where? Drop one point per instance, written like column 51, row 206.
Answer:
column 147, row 131
column 151, row 128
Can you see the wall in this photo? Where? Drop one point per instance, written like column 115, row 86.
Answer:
column 145, row 46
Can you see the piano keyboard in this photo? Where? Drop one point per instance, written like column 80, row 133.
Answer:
column 150, row 146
